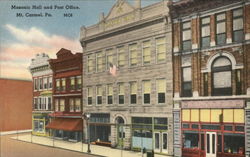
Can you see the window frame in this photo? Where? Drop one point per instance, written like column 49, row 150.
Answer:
column 133, row 94
column 238, row 30
column 186, row 93
column 219, row 34
column 189, row 41
column 132, row 50
column 144, row 94
column 208, row 36
column 157, row 50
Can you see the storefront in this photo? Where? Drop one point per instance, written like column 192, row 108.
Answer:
column 213, row 132
column 150, row 133
column 69, row 129
column 39, row 121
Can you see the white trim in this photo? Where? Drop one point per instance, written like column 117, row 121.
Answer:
column 247, row 36
column 226, row 54
column 194, row 46
column 212, row 97
column 176, row 49
column 229, row 40
column 14, row 132
column 177, row 95
column 195, row 94
column 212, row 43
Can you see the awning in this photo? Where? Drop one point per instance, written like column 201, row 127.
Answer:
column 66, row 124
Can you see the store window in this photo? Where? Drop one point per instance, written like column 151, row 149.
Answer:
column 191, row 140
column 186, row 36
column 121, row 56
column 234, row 143
column 221, row 29
column 110, row 94
column 161, row 90
column 90, row 95
column 146, row 50
column 90, row 64
column 205, row 32
column 133, row 92
column 133, row 54
column 146, row 91
column 222, row 77
column 99, row 95
column 187, row 82
column 121, row 93
column 238, row 32
column 161, row 49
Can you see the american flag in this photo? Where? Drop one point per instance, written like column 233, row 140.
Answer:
column 112, row 69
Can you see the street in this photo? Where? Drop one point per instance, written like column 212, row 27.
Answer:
column 14, row 148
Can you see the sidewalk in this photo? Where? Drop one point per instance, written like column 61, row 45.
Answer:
column 79, row 147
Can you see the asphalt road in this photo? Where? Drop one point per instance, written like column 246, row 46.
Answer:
column 13, row 148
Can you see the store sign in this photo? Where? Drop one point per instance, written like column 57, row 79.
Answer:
column 213, row 104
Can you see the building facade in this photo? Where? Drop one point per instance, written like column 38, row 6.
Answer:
column 66, row 122
column 211, row 62
column 127, row 77
column 42, row 93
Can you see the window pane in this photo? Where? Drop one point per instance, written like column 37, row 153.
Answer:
column 121, row 89
column 99, row 90
column 205, row 31
column 222, row 79
column 110, row 89
column 161, row 85
column 147, row 86
column 234, row 143
column 191, row 140
column 121, row 99
column 146, row 98
column 186, row 35
column 238, row 12
column 133, row 98
column 221, row 39
column 221, row 27
column 133, row 88
column 186, row 45
column 238, row 36
column 90, row 92
column 186, row 74
column 186, row 25
column 220, row 17
column 205, row 20
column 205, row 41
column 238, row 24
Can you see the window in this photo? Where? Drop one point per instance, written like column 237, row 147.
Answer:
column 62, row 105
column 238, row 82
column 41, row 83
column 109, row 54
column 205, row 32
column 110, row 94
column 221, row 29
column 146, row 92
column 186, row 82
column 79, row 82
column 191, row 140
column 222, row 75
column 121, row 56
column 72, row 83
column 90, row 65
column 161, row 89
column 77, row 104
column 205, row 79
column 99, row 62
column 58, row 85
column 133, row 54
column 238, row 34
column 49, row 103
column 35, row 84
column 45, row 83
column 71, row 105
column 234, row 143
column 90, row 95
column 121, row 93
column 99, row 95
column 50, row 82
column 161, row 49
column 56, row 105
column 146, row 50
column 63, row 87
column 133, row 92
column 35, row 104
column 186, row 36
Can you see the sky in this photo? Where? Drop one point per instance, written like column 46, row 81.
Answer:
column 21, row 38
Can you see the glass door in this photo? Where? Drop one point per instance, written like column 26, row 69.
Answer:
column 164, row 142
column 211, row 144
column 157, row 141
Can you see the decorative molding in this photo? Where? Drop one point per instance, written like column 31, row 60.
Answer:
column 212, row 43
column 195, row 94
column 176, row 49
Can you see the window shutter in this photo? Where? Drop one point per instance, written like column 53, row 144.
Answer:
column 147, row 87
column 161, row 86
column 133, row 88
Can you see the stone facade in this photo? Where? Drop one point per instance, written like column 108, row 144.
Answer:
column 133, row 25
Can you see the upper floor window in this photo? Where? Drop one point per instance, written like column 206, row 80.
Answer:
column 121, row 93
column 71, row 105
column 121, row 56
column 40, row 83
column 90, row 95
column 78, row 82
column 109, row 58
column 160, row 49
column 50, row 82
column 35, row 84
column 133, row 54
column 58, row 86
column 35, row 103
column 45, row 83
column 99, row 95
column 221, row 29
column 146, row 50
column 205, row 32
column 77, row 104
column 161, row 90
column 56, row 104
column 49, row 103
column 90, row 63
column 238, row 35
column 186, row 81
column 186, row 36
column 62, row 105
column 222, row 77
column 146, row 91
column 133, row 92
column 99, row 62
column 72, row 83
column 63, row 87
column 110, row 94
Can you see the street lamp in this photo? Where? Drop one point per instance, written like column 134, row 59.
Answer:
column 86, row 116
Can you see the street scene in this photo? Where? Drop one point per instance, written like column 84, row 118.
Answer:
column 125, row 78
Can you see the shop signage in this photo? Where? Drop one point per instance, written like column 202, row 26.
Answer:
column 213, row 104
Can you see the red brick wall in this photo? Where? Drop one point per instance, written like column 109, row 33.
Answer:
column 15, row 104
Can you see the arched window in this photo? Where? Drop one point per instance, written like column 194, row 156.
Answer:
column 221, row 77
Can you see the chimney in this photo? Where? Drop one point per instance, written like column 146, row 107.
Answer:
column 137, row 4
column 101, row 17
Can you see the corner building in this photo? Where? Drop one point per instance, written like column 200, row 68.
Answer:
column 211, row 60
column 127, row 77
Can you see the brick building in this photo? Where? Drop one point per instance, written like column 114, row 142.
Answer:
column 66, row 122
column 42, row 93
column 15, row 105
column 127, row 77
column 211, row 63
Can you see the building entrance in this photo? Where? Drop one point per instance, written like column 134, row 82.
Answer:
column 211, row 144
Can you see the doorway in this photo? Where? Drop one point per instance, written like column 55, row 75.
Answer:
column 211, row 144
column 160, row 142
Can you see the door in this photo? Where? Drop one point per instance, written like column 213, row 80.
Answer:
column 211, row 144
column 161, row 142
column 164, row 142
column 121, row 136
column 157, row 142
